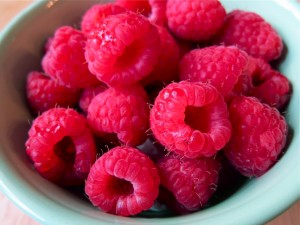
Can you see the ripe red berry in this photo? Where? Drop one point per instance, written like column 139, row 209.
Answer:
column 250, row 32
column 190, row 119
column 195, row 20
column 123, row 50
column 64, row 60
column 191, row 181
column 61, row 146
column 258, row 136
column 123, row 111
column 123, row 181
column 43, row 93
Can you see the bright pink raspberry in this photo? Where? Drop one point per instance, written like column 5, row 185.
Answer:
column 250, row 32
column 122, row 110
column 88, row 94
column 191, row 181
column 190, row 119
column 166, row 69
column 64, row 61
column 61, row 146
column 94, row 16
column 195, row 20
column 43, row 93
column 123, row 50
column 123, row 181
column 258, row 136
column 219, row 66
column 138, row 6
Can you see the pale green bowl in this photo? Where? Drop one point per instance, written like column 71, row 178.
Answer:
column 256, row 202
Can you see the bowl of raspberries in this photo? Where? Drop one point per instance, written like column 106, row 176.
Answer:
column 151, row 111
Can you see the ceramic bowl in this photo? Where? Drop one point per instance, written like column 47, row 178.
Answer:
column 21, row 43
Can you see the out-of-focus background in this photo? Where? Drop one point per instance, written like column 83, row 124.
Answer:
column 12, row 215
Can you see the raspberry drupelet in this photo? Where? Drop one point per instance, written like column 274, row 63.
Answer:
column 61, row 146
column 123, row 181
column 191, row 119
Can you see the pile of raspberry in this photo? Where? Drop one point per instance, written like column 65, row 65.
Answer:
column 150, row 102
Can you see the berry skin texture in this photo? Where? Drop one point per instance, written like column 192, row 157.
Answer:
column 43, row 93
column 94, row 16
column 61, row 146
column 219, row 66
column 192, row 181
column 258, row 136
column 123, row 50
column 190, row 119
column 64, row 61
column 195, row 20
column 250, row 32
column 123, row 111
column 123, row 181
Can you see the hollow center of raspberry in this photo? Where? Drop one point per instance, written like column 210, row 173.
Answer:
column 65, row 150
column 130, row 55
column 257, row 80
column 198, row 118
column 120, row 186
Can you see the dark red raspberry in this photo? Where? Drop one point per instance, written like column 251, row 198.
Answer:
column 64, row 61
column 123, row 111
column 191, row 181
column 123, row 181
column 166, row 69
column 196, row 20
column 94, row 16
column 250, row 32
column 219, row 66
column 190, row 119
column 61, row 146
column 258, row 136
column 43, row 93
column 138, row 6
column 88, row 94
column 123, row 50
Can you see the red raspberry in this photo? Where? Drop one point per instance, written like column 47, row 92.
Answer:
column 190, row 119
column 196, row 20
column 123, row 181
column 258, row 136
column 61, row 146
column 155, row 10
column 192, row 181
column 219, row 66
column 88, row 94
column 250, row 32
column 270, row 86
column 166, row 69
column 123, row 50
column 44, row 93
column 121, row 110
column 64, row 61
column 94, row 16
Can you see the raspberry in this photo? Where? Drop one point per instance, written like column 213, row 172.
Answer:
column 121, row 110
column 250, row 32
column 219, row 66
column 154, row 10
column 94, row 16
column 44, row 93
column 191, row 181
column 64, row 61
column 123, row 50
column 88, row 94
column 166, row 69
column 190, row 119
column 270, row 86
column 123, row 181
column 258, row 136
column 196, row 20
column 61, row 146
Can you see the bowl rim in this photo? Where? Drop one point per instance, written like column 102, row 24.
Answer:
column 27, row 204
